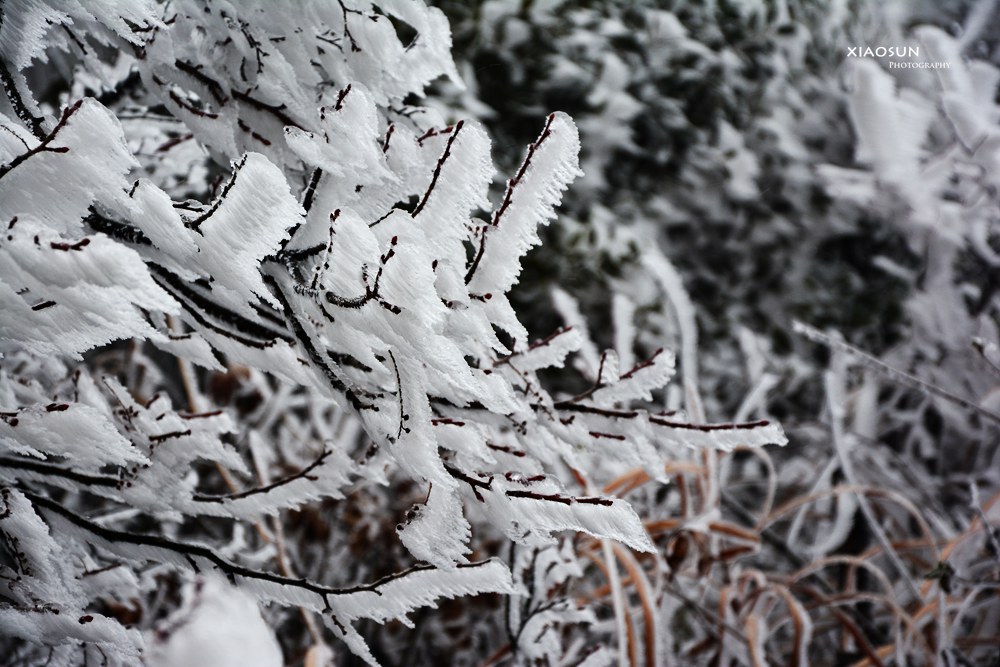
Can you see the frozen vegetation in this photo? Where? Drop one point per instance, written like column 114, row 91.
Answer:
column 497, row 333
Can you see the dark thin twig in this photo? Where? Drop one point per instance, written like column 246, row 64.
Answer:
column 556, row 498
column 230, row 569
column 306, row 342
column 437, row 168
column 476, row 484
column 509, row 196
column 708, row 428
column 34, row 123
column 302, row 474
column 196, row 223
column 59, row 471
column 252, row 333
column 43, row 146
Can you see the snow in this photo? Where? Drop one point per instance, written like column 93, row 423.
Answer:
column 216, row 625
